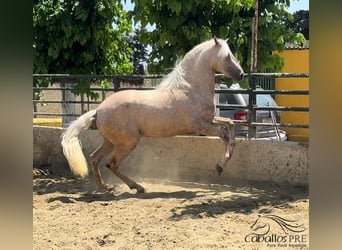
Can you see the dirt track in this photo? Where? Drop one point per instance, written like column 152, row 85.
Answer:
column 67, row 214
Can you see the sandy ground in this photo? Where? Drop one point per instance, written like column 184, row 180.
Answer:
column 68, row 214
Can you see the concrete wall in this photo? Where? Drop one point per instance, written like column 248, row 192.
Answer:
column 191, row 158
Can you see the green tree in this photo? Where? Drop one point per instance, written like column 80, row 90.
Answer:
column 79, row 37
column 179, row 25
column 300, row 22
column 139, row 56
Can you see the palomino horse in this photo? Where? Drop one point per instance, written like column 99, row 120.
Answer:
column 183, row 104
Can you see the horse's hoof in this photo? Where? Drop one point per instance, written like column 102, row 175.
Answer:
column 106, row 188
column 219, row 169
column 139, row 189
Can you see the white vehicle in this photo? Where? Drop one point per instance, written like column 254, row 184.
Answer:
column 271, row 133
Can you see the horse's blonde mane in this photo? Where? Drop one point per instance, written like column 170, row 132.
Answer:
column 175, row 79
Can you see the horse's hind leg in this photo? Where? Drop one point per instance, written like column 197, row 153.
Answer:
column 121, row 151
column 96, row 157
column 131, row 184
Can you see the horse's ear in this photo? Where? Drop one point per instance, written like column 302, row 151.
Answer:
column 226, row 40
column 216, row 41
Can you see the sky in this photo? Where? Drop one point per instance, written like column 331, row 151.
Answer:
column 295, row 5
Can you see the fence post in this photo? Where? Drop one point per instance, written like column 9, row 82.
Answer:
column 116, row 84
column 251, row 105
column 67, row 107
column 82, row 104
column 35, row 97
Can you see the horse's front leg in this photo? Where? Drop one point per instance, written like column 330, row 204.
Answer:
column 227, row 135
column 224, row 128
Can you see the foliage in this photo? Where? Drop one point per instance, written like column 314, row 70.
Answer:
column 179, row 25
column 139, row 55
column 80, row 37
column 300, row 22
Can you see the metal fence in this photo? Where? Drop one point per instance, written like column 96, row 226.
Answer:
column 118, row 83
column 61, row 84
column 252, row 92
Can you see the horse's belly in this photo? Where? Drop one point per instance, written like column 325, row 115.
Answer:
column 163, row 131
column 160, row 125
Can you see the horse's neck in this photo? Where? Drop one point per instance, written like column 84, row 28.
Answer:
column 199, row 74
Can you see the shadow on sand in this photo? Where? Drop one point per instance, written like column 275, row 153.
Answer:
column 196, row 201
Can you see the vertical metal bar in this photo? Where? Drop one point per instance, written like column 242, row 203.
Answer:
column 35, row 107
column 103, row 93
column 62, row 86
column 82, row 104
column 116, row 84
column 251, row 105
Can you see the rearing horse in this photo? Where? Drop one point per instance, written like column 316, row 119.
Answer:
column 183, row 104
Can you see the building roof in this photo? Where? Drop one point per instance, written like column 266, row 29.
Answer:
column 294, row 46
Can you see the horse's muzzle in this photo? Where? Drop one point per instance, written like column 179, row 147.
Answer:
column 238, row 76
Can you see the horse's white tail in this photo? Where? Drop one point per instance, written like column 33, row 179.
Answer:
column 72, row 148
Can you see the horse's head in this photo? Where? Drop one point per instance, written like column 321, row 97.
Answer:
column 223, row 60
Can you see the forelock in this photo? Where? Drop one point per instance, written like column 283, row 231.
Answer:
column 224, row 47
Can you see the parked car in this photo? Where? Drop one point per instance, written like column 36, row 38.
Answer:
column 271, row 133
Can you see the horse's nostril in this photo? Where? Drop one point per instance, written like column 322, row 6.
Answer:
column 241, row 76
